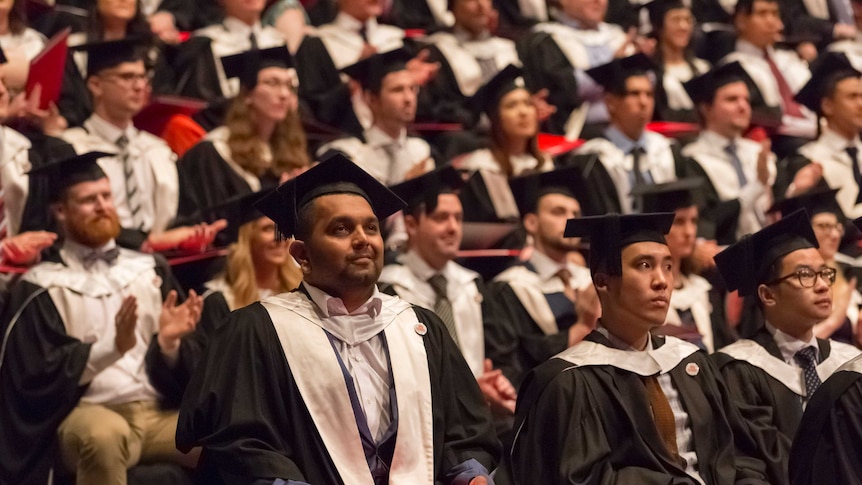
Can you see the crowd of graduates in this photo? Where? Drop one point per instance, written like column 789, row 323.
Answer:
column 537, row 241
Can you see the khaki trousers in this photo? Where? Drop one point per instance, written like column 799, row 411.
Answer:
column 100, row 442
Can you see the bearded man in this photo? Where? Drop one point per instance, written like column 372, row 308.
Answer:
column 93, row 340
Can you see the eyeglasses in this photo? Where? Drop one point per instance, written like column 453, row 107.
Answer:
column 131, row 77
column 808, row 277
column 826, row 227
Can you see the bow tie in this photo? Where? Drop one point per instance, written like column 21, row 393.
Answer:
column 108, row 256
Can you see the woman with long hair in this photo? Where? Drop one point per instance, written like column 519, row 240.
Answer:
column 16, row 38
column 262, row 141
column 673, row 26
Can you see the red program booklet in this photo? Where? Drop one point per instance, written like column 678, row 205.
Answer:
column 47, row 68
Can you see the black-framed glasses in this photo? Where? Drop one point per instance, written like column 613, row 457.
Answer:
column 808, row 277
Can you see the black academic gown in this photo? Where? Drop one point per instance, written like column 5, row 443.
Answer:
column 592, row 425
column 832, row 427
column 441, row 100
column 248, row 414
column 772, row 411
column 39, row 377
column 719, row 219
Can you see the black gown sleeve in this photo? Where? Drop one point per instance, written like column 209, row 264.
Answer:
column 546, row 67
column 719, row 219
column 441, row 100
column 39, row 373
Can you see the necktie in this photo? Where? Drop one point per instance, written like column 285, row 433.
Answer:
column 807, row 360
column 566, row 277
column 791, row 107
column 108, row 256
column 488, row 67
column 730, row 149
column 252, row 41
column 637, row 153
column 853, row 152
column 363, row 32
column 443, row 307
column 662, row 414
column 132, row 193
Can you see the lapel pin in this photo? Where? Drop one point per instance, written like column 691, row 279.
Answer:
column 692, row 369
column 421, row 329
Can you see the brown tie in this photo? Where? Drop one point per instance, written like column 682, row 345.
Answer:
column 566, row 277
column 791, row 107
column 662, row 414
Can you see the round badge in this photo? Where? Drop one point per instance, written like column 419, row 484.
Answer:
column 421, row 329
column 692, row 369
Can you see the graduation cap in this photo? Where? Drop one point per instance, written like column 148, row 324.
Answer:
column 702, row 89
column 529, row 189
column 609, row 234
column 487, row 98
column 669, row 196
column 65, row 173
column 613, row 75
column 827, row 70
column 746, row 264
column 106, row 54
column 426, row 188
column 657, row 10
column 238, row 211
column 246, row 65
column 334, row 175
column 371, row 70
column 814, row 202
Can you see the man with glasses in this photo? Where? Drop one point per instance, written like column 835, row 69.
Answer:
column 143, row 171
column 772, row 376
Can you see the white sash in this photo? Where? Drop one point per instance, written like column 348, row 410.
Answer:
column 651, row 362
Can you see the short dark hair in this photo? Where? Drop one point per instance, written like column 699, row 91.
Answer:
column 747, row 6
column 619, row 87
column 305, row 221
column 832, row 80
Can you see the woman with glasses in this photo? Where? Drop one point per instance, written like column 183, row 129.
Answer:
column 828, row 222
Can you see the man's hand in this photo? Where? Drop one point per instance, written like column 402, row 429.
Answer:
column 420, row 168
column 704, row 253
column 126, row 321
column 589, row 310
column 177, row 321
column 368, row 50
column 24, row 249
column 498, row 391
column 188, row 238
column 844, row 31
column 763, row 161
column 806, row 178
column 544, row 110
column 164, row 26
column 807, row 51
column 478, row 481
column 422, row 70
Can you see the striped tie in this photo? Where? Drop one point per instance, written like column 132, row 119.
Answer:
column 132, row 195
column 443, row 307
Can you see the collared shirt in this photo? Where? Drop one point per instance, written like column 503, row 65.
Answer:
column 829, row 151
column 113, row 167
column 789, row 345
column 684, row 441
column 357, row 337
column 622, row 141
column 344, row 42
column 112, row 378
column 547, row 270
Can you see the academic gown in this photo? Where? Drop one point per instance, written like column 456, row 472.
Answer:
column 832, row 427
column 768, row 392
column 591, row 424
column 250, row 436
column 40, row 367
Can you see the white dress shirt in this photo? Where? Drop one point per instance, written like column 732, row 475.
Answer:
column 829, row 151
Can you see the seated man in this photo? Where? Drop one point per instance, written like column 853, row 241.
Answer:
column 336, row 382
column 544, row 305
column 88, row 336
column 622, row 406
column 738, row 171
column 427, row 275
column 773, row 376
column 628, row 153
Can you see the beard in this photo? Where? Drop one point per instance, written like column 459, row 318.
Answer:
column 96, row 230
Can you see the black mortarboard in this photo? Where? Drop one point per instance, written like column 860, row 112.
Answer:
column 702, row 89
column 613, row 75
column 659, row 8
column 246, row 65
column 334, row 175
column 106, row 54
column 669, row 196
column 237, row 210
column 65, row 173
column 609, row 234
column 489, row 95
column 371, row 70
column 746, row 264
column 814, row 202
column 827, row 70
column 528, row 189
column 425, row 189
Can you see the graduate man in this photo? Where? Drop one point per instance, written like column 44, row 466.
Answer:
column 621, row 406
column 774, row 374
column 90, row 336
column 336, row 383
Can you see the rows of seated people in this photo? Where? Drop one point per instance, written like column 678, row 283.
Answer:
column 504, row 118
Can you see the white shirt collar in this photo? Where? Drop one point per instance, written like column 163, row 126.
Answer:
column 789, row 345
column 831, row 138
column 74, row 253
column 351, row 23
column 619, row 344
column 376, row 137
column 237, row 26
column 420, row 267
column 108, row 131
column 545, row 267
column 332, row 306
column 715, row 140
column 746, row 47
